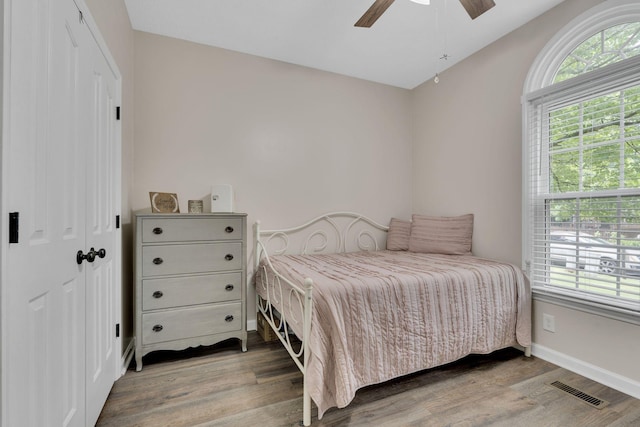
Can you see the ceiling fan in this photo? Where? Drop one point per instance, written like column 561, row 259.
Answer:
column 474, row 8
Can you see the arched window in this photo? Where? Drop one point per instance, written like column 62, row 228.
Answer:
column 605, row 47
column 581, row 168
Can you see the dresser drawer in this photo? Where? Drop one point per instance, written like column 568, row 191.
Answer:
column 190, row 322
column 194, row 258
column 191, row 290
column 196, row 229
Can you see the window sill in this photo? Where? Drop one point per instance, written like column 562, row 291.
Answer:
column 592, row 307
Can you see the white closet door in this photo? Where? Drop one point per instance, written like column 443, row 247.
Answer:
column 45, row 323
column 60, row 157
column 101, row 211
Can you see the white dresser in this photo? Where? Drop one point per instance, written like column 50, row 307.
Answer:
column 190, row 281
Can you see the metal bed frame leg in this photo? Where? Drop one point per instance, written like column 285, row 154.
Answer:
column 306, row 407
column 306, row 397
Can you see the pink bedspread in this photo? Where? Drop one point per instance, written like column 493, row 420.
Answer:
column 380, row 315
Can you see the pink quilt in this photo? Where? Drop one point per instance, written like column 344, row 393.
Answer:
column 383, row 314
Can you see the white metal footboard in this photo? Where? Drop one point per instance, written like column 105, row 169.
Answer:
column 290, row 304
column 300, row 297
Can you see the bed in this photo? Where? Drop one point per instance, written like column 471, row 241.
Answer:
column 357, row 303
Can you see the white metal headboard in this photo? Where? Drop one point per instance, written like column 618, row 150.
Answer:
column 333, row 232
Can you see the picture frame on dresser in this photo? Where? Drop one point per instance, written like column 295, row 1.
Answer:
column 190, row 280
column 164, row 202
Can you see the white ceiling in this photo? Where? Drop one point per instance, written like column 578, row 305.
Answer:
column 403, row 48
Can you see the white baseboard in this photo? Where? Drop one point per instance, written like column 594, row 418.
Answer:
column 127, row 356
column 252, row 325
column 608, row 378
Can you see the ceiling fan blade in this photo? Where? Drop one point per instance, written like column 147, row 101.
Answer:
column 373, row 13
column 476, row 8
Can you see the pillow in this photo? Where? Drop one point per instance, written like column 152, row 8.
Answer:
column 398, row 235
column 441, row 235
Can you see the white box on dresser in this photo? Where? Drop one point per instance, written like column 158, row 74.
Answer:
column 190, row 280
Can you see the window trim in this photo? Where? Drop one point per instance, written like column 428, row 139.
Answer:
column 539, row 84
column 585, row 305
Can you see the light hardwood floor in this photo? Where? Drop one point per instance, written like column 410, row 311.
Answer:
column 221, row 386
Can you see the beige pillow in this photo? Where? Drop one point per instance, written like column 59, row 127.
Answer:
column 398, row 235
column 441, row 235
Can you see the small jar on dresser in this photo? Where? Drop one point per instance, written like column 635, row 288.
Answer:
column 190, row 280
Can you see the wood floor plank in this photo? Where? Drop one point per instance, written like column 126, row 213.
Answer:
column 219, row 386
column 630, row 418
column 378, row 413
column 286, row 413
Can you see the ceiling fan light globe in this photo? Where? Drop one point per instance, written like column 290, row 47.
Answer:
column 425, row 2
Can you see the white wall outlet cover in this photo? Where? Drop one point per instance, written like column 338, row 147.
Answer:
column 548, row 322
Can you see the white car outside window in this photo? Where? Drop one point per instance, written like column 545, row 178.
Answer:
column 584, row 252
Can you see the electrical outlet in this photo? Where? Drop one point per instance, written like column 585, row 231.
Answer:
column 548, row 322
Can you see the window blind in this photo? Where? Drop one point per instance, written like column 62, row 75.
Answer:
column 582, row 184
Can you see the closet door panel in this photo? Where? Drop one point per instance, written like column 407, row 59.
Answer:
column 101, row 145
column 43, row 349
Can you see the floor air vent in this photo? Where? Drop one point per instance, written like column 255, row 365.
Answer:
column 586, row 398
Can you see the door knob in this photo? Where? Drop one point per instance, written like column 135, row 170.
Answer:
column 89, row 256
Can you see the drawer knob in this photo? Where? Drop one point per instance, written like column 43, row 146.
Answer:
column 157, row 294
column 157, row 328
column 158, row 261
column 229, row 318
column 228, row 288
column 228, row 257
column 229, row 229
column 157, row 230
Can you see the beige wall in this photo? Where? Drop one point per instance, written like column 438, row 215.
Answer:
column 113, row 21
column 467, row 158
column 292, row 141
column 468, row 132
